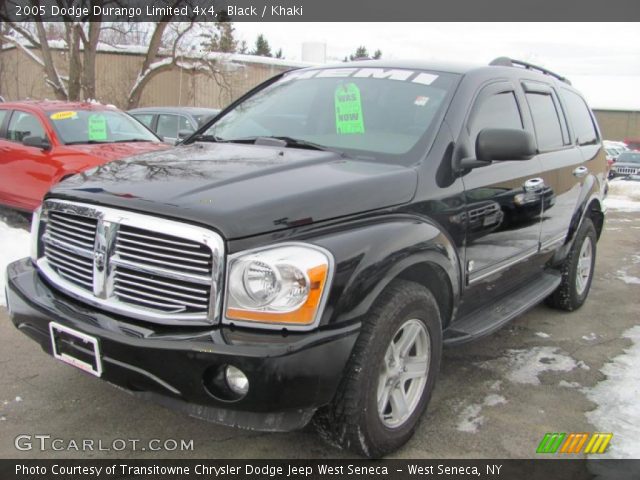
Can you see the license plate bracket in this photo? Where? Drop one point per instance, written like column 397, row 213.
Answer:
column 76, row 348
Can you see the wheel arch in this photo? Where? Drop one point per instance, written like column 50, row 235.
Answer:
column 405, row 248
column 436, row 280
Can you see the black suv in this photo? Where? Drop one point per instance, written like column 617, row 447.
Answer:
column 306, row 255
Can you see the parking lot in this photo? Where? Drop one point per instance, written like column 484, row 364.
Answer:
column 495, row 398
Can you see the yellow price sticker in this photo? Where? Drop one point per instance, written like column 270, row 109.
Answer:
column 63, row 115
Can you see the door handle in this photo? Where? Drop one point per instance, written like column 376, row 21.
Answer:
column 533, row 184
column 580, row 171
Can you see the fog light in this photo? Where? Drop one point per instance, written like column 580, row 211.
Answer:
column 236, row 380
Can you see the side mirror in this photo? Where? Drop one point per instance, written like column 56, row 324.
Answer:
column 504, row 144
column 37, row 142
column 182, row 134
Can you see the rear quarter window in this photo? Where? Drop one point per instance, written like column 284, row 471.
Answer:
column 584, row 130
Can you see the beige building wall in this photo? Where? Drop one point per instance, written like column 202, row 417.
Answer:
column 618, row 124
column 21, row 78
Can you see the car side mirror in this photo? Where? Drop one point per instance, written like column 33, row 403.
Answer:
column 504, row 144
column 37, row 142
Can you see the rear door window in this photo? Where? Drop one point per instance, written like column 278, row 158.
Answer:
column 186, row 125
column 546, row 121
column 167, row 125
column 3, row 115
column 584, row 129
column 145, row 118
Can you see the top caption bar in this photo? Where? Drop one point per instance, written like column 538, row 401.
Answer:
column 317, row 10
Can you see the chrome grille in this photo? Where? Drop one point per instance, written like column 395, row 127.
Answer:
column 162, row 271
column 127, row 262
column 483, row 211
column 626, row 170
column 68, row 247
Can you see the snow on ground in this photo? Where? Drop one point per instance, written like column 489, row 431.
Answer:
column 626, row 278
column 524, row 366
column 470, row 418
column 618, row 409
column 564, row 383
column 14, row 244
column 624, row 195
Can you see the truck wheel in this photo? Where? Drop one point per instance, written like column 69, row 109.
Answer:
column 577, row 270
column 390, row 376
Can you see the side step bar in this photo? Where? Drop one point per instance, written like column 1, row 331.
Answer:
column 489, row 319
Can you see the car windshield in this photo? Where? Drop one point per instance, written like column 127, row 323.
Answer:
column 629, row 157
column 98, row 126
column 359, row 110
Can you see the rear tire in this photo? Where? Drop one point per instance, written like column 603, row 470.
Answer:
column 398, row 355
column 577, row 270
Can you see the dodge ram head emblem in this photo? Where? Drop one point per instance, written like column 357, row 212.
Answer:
column 98, row 260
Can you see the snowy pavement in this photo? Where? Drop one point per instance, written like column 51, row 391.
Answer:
column 547, row 371
column 14, row 244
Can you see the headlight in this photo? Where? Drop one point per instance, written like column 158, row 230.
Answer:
column 281, row 285
column 35, row 227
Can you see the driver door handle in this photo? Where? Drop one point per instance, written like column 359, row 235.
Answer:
column 580, row 171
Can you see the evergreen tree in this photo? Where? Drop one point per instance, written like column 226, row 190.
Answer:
column 262, row 47
column 362, row 52
column 279, row 54
column 222, row 38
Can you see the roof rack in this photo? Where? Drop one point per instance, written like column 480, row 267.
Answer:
column 510, row 62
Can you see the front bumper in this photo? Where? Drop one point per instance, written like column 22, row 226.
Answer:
column 290, row 376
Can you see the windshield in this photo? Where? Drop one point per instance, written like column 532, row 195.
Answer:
column 629, row 157
column 98, row 126
column 371, row 110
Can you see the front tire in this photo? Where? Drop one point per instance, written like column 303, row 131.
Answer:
column 390, row 376
column 577, row 270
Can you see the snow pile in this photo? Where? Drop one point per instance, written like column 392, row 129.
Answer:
column 623, row 195
column 618, row 409
column 14, row 244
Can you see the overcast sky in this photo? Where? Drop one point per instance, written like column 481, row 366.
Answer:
column 601, row 59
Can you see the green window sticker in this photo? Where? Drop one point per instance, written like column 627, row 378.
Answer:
column 97, row 128
column 349, row 118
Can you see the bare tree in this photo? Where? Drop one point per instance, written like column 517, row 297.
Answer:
column 165, row 42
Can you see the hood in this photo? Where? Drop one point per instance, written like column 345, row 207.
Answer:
column 116, row 151
column 627, row 164
column 243, row 190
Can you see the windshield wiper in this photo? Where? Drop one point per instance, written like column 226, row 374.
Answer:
column 206, row 138
column 131, row 140
column 286, row 142
column 85, row 142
